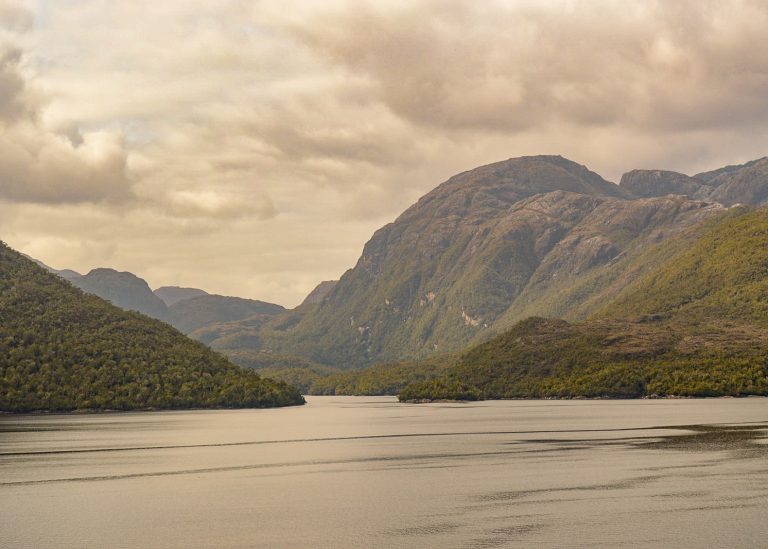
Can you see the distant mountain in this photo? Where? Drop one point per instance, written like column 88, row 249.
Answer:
column 532, row 235
column 721, row 276
column 236, row 335
column 62, row 349
column 320, row 291
column 198, row 312
column 229, row 324
column 697, row 325
column 65, row 273
column 124, row 289
column 173, row 294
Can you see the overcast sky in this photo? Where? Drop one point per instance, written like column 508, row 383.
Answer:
column 251, row 148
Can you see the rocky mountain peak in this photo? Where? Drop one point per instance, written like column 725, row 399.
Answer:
column 650, row 183
column 745, row 184
column 506, row 182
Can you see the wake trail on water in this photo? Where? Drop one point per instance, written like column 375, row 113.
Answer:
column 323, row 439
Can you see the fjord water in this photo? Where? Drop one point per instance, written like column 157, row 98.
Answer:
column 370, row 472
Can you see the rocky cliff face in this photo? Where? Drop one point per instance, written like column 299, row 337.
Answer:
column 612, row 243
column 650, row 183
column 745, row 184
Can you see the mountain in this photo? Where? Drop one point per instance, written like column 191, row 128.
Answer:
column 173, row 294
column 697, row 325
column 63, row 349
column 64, row 273
column 739, row 184
column 123, row 289
column 652, row 183
column 208, row 310
column 320, row 291
column 744, row 184
column 531, row 235
column 230, row 336
column 606, row 247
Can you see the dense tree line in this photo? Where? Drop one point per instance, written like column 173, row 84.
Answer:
column 297, row 371
column 383, row 379
column 542, row 358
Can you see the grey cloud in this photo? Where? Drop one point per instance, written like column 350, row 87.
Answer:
column 14, row 17
column 511, row 66
column 13, row 102
column 40, row 165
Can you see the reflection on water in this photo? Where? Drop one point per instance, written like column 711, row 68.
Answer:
column 369, row 472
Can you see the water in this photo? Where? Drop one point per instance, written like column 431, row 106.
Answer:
column 369, row 472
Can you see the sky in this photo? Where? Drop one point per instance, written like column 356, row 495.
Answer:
column 251, row 148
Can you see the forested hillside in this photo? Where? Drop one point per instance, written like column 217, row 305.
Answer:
column 62, row 349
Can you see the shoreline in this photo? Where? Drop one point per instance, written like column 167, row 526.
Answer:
column 96, row 411
column 653, row 397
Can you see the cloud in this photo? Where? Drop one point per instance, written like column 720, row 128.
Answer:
column 154, row 136
column 14, row 17
column 509, row 66
column 38, row 164
column 211, row 204
column 13, row 103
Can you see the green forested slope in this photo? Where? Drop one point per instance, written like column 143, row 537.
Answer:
column 722, row 275
column 296, row 371
column 63, row 349
column 696, row 325
column 542, row 358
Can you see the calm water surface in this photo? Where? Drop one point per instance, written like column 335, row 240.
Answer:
column 369, row 472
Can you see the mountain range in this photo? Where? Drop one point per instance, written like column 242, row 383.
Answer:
column 537, row 236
